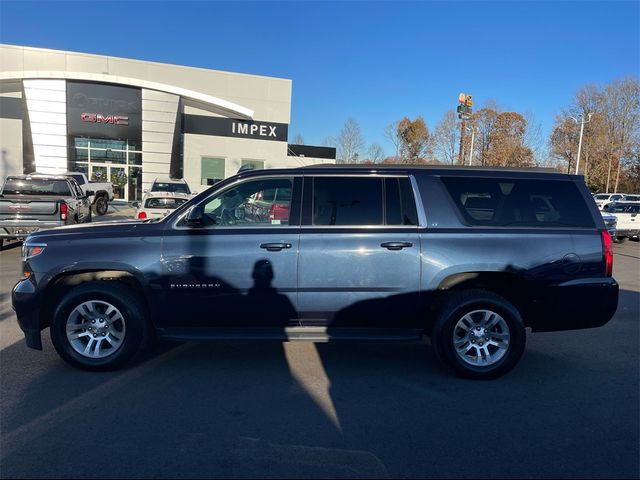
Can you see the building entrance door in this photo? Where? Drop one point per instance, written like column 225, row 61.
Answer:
column 117, row 175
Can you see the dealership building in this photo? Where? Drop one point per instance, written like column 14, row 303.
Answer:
column 130, row 121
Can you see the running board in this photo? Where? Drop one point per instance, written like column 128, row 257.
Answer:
column 292, row 334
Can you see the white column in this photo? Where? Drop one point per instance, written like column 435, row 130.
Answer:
column 47, row 106
column 159, row 112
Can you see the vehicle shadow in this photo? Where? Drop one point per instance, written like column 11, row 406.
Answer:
column 267, row 409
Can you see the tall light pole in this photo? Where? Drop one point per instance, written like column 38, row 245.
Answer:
column 465, row 109
column 473, row 130
column 581, row 122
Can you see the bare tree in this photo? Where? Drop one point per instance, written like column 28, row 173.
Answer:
column 446, row 138
column 298, row 139
column 350, row 142
column 533, row 138
column 391, row 134
column 628, row 118
column 330, row 141
column 376, row 153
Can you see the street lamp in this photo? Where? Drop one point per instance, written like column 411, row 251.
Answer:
column 473, row 131
column 581, row 122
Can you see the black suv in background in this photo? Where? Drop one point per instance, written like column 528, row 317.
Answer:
column 469, row 257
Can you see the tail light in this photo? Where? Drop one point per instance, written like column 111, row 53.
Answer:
column 607, row 252
column 142, row 215
column 64, row 210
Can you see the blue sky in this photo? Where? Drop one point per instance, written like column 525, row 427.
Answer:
column 374, row 61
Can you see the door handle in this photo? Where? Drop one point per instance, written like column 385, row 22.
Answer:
column 275, row 247
column 396, row 245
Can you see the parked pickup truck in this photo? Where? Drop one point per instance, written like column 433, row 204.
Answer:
column 29, row 203
column 102, row 192
column 628, row 217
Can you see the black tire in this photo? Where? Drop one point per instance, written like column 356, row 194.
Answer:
column 1, row 243
column 101, row 205
column 459, row 304
column 621, row 239
column 128, row 304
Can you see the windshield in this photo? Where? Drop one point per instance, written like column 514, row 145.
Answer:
column 171, row 187
column 602, row 196
column 164, row 203
column 36, row 186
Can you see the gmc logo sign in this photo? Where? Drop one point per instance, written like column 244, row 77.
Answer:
column 99, row 118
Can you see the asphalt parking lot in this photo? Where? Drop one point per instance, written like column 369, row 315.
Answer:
column 569, row 409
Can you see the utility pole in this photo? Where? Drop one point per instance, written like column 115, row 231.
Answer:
column 473, row 136
column 461, row 150
column 581, row 122
column 465, row 108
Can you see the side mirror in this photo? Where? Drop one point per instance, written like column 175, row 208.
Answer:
column 135, row 204
column 90, row 193
column 145, row 191
column 195, row 216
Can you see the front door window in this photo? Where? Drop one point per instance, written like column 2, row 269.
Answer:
column 263, row 203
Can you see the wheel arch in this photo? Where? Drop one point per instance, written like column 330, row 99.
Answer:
column 512, row 286
column 66, row 281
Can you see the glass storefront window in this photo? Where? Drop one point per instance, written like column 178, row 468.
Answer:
column 108, row 144
column 107, row 160
column 105, row 156
column 135, row 158
column 212, row 170
column 98, row 174
column 135, row 184
column 82, row 154
column 118, row 177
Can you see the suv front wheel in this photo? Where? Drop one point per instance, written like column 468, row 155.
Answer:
column 99, row 326
column 478, row 334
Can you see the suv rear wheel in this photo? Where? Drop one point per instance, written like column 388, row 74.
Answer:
column 99, row 326
column 478, row 334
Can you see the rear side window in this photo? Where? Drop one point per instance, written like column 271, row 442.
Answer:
column 400, row 205
column 347, row 201
column 519, row 202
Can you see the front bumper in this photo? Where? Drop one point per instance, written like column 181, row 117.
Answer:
column 26, row 303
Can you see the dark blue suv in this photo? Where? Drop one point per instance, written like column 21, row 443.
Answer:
column 469, row 257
